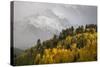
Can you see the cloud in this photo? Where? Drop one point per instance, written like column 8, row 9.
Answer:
column 44, row 22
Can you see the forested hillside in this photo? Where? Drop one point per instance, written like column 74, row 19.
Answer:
column 71, row 45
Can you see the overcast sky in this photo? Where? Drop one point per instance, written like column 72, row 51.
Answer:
column 41, row 20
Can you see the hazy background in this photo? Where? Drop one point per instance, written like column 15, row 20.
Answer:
column 42, row 20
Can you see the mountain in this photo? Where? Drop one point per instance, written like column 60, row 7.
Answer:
column 17, row 52
column 38, row 26
column 72, row 45
column 41, row 21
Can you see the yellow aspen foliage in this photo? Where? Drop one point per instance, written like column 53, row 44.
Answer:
column 73, row 46
column 68, row 39
column 59, row 45
column 54, row 50
column 38, row 59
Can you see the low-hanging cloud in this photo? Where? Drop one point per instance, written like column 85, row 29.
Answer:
column 42, row 20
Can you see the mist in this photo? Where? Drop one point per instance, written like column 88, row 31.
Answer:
column 34, row 20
